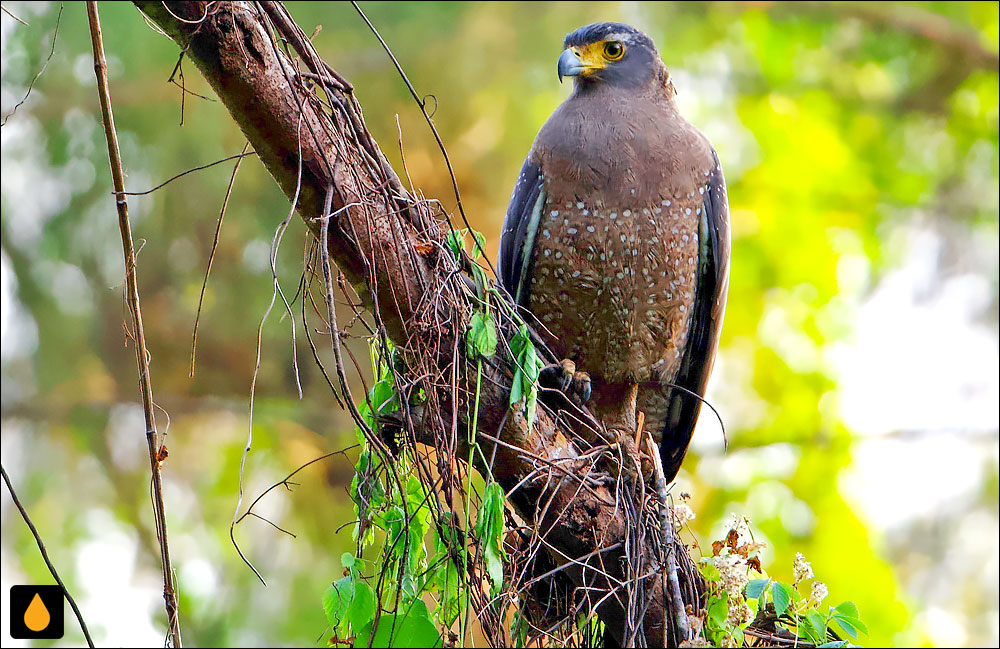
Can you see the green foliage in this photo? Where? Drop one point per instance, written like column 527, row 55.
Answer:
column 393, row 506
column 412, row 629
column 481, row 340
column 456, row 239
column 527, row 365
column 444, row 578
column 489, row 529
column 349, row 602
column 737, row 601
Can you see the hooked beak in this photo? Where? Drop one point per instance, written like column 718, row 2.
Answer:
column 570, row 65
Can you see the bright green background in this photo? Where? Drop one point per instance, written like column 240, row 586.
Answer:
column 843, row 129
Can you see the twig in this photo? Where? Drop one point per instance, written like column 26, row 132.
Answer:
column 211, row 256
column 430, row 122
column 9, row 13
column 45, row 557
column 286, row 482
column 55, row 34
column 157, row 452
column 184, row 173
column 253, row 392
column 673, row 588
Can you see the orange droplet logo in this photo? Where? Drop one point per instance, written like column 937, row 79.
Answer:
column 36, row 616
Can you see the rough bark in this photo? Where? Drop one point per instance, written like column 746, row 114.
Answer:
column 388, row 245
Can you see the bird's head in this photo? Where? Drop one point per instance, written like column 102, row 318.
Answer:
column 611, row 54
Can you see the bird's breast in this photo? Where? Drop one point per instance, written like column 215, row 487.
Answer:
column 614, row 286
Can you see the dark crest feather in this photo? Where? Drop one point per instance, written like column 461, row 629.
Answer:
column 600, row 31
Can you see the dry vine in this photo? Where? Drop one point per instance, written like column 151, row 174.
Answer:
column 154, row 441
column 581, row 538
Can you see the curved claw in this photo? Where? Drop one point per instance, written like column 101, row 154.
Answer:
column 581, row 386
column 568, row 370
column 565, row 378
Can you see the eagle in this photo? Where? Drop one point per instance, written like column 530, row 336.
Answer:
column 616, row 240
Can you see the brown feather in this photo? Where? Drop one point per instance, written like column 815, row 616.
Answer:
column 616, row 254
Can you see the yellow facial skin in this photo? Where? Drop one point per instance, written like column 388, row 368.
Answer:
column 596, row 56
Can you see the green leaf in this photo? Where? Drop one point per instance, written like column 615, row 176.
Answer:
column 781, row 595
column 366, row 488
column 482, row 280
column 531, row 365
column 481, row 340
column 849, row 626
column 394, row 520
column 411, row 630
column 348, row 560
column 848, row 618
column 709, row 571
column 516, row 391
column 489, row 529
column 362, row 608
column 418, row 632
column 831, row 645
column 718, row 610
column 519, row 628
column 756, row 587
column 847, row 609
column 337, row 600
column 417, row 608
column 480, row 244
column 419, row 505
column 380, row 349
column 453, row 598
column 366, row 415
column 527, row 365
column 494, row 567
column 456, row 242
column 383, row 397
column 815, row 627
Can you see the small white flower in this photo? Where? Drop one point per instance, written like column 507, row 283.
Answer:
column 819, row 592
column 802, row 568
column 732, row 574
column 681, row 515
column 738, row 614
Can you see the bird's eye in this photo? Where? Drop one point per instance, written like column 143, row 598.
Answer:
column 613, row 50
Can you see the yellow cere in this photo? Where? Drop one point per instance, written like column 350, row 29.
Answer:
column 595, row 56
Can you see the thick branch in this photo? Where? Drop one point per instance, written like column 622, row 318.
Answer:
column 390, row 247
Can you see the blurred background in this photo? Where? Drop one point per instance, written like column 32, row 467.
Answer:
column 858, row 376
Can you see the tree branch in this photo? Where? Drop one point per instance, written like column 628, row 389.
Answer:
column 391, row 247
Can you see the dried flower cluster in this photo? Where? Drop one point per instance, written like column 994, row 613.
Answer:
column 681, row 515
column 802, row 568
column 732, row 574
column 819, row 592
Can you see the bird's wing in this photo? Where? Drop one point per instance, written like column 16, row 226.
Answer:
column 517, row 239
column 682, row 408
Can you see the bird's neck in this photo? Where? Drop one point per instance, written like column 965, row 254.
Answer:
column 600, row 137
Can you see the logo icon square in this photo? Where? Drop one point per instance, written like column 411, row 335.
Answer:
column 36, row 612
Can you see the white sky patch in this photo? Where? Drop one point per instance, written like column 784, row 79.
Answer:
column 918, row 361
column 920, row 380
column 113, row 591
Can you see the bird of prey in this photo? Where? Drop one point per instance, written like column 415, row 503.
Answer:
column 616, row 239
